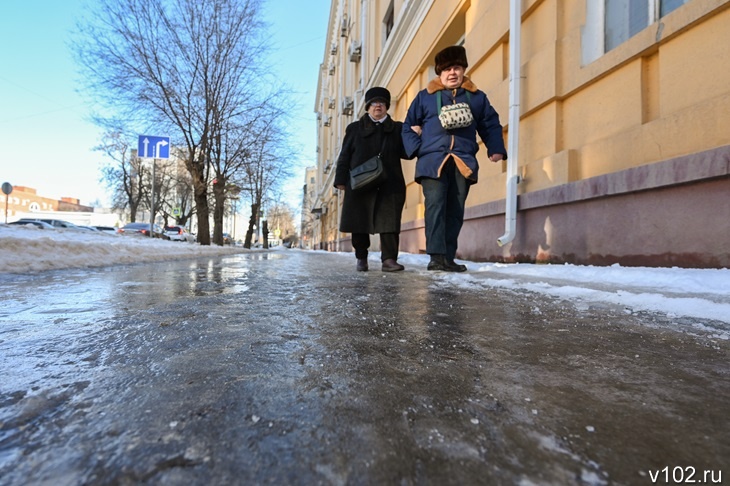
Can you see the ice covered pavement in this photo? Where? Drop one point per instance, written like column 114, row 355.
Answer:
column 289, row 367
column 702, row 295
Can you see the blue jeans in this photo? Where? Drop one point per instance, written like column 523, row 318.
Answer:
column 445, row 199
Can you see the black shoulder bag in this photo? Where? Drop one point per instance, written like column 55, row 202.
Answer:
column 369, row 174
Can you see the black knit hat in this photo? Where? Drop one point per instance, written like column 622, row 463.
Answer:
column 377, row 94
column 451, row 56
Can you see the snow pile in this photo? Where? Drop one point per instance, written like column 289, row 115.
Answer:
column 25, row 249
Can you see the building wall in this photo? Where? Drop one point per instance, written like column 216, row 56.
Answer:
column 338, row 103
column 630, row 142
column 24, row 201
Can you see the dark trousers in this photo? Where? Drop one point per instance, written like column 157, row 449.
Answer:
column 389, row 243
column 445, row 199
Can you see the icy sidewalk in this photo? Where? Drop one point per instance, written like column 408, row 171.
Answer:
column 702, row 295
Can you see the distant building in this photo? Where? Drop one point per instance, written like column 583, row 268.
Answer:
column 623, row 115
column 24, row 200
column 307, row 226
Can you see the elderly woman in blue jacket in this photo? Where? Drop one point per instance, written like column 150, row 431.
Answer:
column 446, row 150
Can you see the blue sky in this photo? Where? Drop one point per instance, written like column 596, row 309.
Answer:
column 45, row 137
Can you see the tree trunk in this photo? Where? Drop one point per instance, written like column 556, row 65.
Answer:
column 132, row 212
column 196, row 168
column 251, row 224
column 201, row 201
column 218, row 209
column 265, row 232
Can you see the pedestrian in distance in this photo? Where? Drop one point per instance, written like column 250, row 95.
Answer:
column 377, row 210
column 440, row 130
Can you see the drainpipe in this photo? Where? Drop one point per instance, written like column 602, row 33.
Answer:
column 513, row 178
column 363, row 42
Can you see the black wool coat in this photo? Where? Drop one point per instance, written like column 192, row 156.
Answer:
column 378, row 210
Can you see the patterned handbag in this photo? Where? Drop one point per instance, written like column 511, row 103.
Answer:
column 454, row 116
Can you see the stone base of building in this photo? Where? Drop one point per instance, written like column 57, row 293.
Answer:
column 670, row 213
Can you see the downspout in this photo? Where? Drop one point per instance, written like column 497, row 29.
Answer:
column 363, row 43
column 513, row 178
column 340, row 66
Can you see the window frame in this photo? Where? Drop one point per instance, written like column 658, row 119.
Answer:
column 593, row 35
column 388, row 22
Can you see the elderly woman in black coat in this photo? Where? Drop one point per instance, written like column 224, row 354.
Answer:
column 378, row 210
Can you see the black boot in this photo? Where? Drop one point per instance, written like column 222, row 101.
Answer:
column 390, row 265
column 362, row 264
column 452, row 266
column 437, row 263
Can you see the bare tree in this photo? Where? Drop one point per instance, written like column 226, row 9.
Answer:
column 165, row 190
column 265, row 170
column 180, row 203
column 230, row 151
column 235, row 148
column 174, row 66
column 280, row 217
column 125, row 175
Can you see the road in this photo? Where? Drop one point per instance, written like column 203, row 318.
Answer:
column 288, row 367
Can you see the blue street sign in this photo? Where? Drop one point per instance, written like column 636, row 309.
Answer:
column 152, row 147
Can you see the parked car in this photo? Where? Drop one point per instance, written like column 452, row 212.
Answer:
column 107, row 229
column 227, row 240
column 89, row 228
column 178, row 233
column 37, row 223
column 56, row 223
column 59, row 223
column 143, row 229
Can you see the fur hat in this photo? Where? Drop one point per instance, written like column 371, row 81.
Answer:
column 451, row 56
column 377, row 94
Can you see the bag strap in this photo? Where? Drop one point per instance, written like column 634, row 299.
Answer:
column 382, row 146
column 439, row 102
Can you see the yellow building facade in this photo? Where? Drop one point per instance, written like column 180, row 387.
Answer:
column 624, row 109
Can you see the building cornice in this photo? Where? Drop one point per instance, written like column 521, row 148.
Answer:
column 410, row 19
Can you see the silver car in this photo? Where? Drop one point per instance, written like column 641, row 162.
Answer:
column 178, row 233
column 33, row 222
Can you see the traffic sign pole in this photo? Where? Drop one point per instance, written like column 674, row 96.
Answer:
column 7, row 189
column 160, row 147
column 152, row 205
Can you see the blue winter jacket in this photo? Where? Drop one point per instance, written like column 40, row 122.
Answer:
column 435, row 144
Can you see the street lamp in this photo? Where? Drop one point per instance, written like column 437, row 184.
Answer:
column 235, row 212
column 234, row 190
column 259, row 217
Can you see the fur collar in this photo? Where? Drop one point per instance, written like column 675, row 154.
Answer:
column 436, row 85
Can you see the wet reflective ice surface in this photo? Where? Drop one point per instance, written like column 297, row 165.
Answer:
column 289, row 367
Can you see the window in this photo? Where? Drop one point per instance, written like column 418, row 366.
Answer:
column 626, row 18
column 388, row 22
column 609, row 23
column 669, row 5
